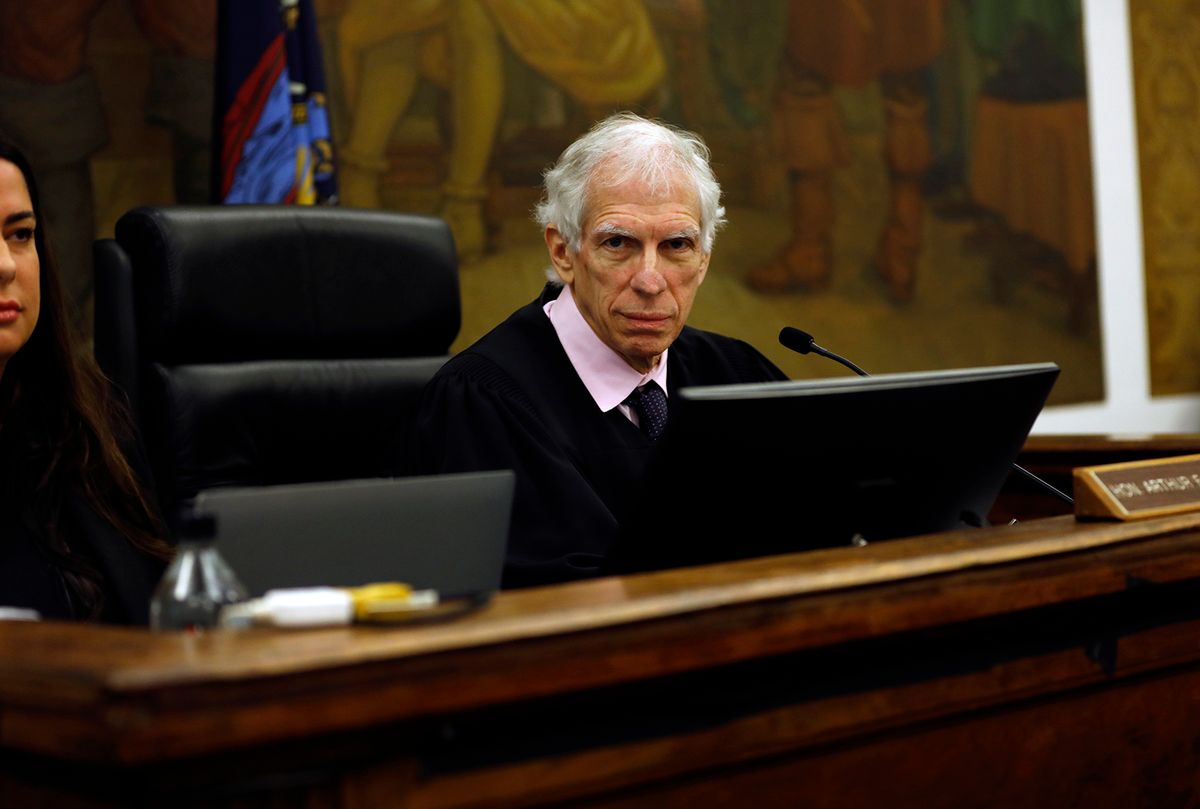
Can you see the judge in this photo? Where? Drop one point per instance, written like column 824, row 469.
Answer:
column 573, row 389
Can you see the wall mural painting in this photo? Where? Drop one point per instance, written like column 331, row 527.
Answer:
column 64, row 110
column 908, row 180
column 1165, row 43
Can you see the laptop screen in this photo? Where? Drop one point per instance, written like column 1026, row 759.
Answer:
column 445, row 532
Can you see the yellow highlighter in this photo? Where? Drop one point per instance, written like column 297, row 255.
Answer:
column 330, row 606
column 389, row 601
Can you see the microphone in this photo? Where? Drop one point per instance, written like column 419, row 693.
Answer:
column 804, row 343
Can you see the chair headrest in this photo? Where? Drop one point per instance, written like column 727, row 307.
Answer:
column 235, row 283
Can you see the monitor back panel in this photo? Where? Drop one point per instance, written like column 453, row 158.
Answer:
column 446, row 532
column 787, row 467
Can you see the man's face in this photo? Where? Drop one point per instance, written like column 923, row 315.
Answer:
column 638, row 267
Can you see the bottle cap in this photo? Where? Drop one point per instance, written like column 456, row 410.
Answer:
column 197, row 526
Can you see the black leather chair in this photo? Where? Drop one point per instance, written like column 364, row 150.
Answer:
column 264, row 345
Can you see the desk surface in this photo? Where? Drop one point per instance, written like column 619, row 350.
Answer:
column 96, row 662
column 122, row 697
column 1046, row 663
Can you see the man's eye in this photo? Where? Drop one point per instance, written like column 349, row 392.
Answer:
column 614, row 242
column 678, row 244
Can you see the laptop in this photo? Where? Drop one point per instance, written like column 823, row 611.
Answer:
column 445, row 532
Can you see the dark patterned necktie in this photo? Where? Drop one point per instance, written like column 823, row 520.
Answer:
column 650, row 404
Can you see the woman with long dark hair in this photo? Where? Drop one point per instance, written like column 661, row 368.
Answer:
column 79, row 538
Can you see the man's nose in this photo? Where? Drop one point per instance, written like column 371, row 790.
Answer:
column 648, row 278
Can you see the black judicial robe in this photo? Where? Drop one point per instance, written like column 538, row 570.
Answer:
column 513, row 401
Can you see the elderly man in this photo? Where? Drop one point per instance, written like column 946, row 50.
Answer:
column 573, row 389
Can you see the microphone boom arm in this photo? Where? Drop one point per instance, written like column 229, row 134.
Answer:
column 816, row 349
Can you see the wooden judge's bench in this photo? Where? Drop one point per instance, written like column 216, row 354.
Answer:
column 1047, row 663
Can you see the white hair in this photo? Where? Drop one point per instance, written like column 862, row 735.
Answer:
column 620, row 148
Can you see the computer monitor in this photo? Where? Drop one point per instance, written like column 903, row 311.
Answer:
column 778, row 467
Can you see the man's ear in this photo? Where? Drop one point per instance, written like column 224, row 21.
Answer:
column 704, row 258
column 560, row 255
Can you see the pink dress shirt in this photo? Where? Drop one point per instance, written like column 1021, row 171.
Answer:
column 605, row 374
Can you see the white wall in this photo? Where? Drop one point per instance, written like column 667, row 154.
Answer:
column 1129, row 407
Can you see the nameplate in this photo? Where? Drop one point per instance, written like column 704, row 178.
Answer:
column 1139, row 489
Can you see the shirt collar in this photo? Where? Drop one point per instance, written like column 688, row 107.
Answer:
column 605, row 374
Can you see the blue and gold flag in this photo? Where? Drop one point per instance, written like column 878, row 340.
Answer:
column 272, row 122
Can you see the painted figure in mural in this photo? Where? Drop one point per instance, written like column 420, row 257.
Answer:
column 1032, row 113
column 81, row 539
column 603, row 53
column 851, row 43
column 51, row 107
column 573, row 389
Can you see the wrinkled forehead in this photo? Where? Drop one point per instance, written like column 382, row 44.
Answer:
column 664, row 178
column 611, row 184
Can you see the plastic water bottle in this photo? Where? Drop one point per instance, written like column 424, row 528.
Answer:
column 197, row 583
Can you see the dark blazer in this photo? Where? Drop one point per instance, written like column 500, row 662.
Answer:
column 31, row 575
column 129, row 576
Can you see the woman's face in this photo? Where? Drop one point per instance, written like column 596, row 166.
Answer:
column 20, row 270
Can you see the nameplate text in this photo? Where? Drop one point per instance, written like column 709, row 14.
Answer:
column 1127, row 491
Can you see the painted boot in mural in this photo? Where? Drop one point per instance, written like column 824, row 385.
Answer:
column 462, row 208
column 907, row 152
column 358, row 178
column 806, row 262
